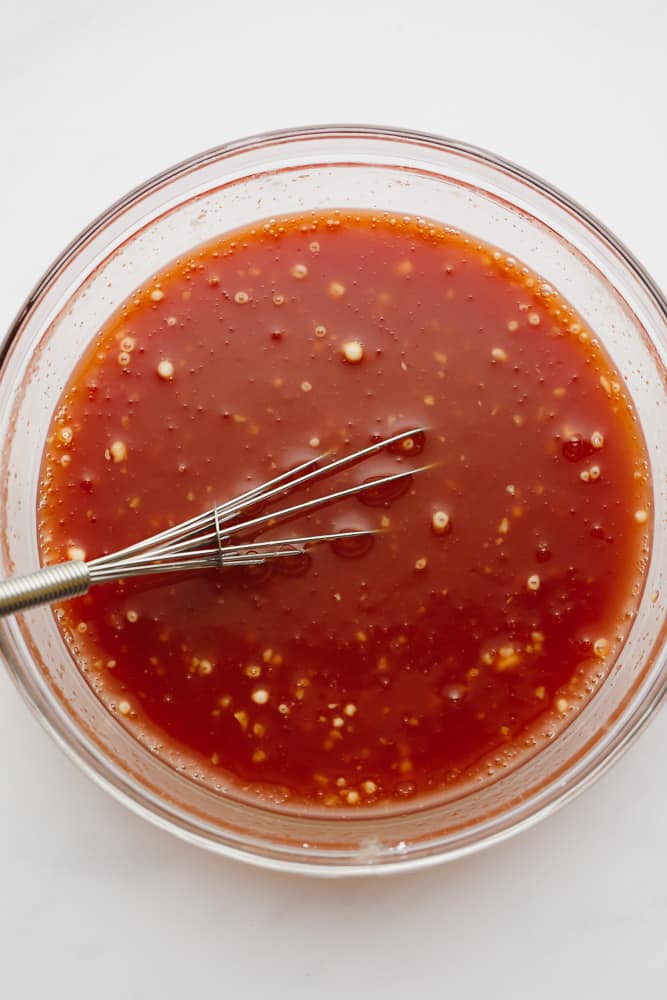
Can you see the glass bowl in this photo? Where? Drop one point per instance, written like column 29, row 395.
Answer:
column 230, row 187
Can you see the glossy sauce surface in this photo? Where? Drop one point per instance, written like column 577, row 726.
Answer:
column 492, row 603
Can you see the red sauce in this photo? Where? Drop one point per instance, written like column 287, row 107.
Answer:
column 480, row 620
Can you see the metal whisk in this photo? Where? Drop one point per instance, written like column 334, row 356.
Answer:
column 205, row 541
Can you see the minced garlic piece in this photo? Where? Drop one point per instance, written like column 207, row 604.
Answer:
column 440, row 522
column 601, row 648
column 353, row 351
column 118, row 451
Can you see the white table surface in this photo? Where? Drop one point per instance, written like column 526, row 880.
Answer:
column 97, row 96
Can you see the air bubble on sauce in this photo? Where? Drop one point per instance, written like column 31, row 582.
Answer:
column 352, row 547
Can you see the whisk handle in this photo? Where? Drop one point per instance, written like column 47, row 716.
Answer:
column 53, row 583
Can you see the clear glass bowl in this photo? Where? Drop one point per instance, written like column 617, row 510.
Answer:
column 232, row 186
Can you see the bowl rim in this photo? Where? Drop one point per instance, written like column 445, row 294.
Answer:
column 583, row 771
column 338, row 130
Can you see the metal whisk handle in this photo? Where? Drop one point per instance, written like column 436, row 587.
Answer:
column 54, row 583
